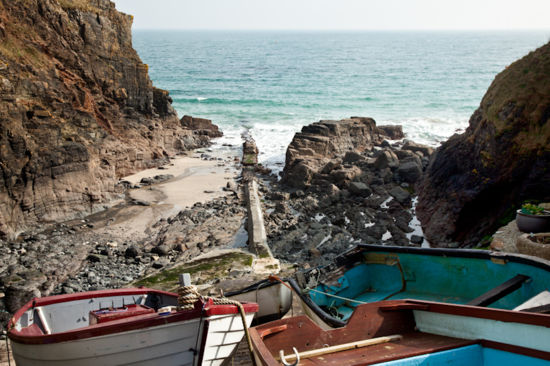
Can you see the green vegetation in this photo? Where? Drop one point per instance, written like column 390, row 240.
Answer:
column 83, row 5
column 532, row 209
column 208, row 268
column 515, row 98
column 249, row 159
column 484, row 243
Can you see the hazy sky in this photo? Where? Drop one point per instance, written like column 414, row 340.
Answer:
column 338, row 14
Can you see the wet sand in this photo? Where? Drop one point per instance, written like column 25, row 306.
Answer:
column 195, row 180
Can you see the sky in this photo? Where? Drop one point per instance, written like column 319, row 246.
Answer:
column 338, row 14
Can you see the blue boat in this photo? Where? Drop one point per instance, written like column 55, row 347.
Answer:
column 371, row 273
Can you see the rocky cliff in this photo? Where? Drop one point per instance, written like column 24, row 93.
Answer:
column 77, row 110
column 476, row 178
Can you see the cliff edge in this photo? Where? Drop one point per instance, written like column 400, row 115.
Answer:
column 477, row 178
column 77, row 110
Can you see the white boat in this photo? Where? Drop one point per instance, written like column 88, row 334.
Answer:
column 125, row 327
column 274, row 297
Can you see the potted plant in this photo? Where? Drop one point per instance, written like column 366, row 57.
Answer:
column 533, row 219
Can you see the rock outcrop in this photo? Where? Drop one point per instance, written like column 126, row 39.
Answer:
column 77, row 110
column 201, row 126
column 317, row 144
column 476, row 178
column 344, row 183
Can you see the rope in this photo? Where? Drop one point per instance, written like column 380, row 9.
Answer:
column 337, row 297
column 276, row 278
column 188, row 296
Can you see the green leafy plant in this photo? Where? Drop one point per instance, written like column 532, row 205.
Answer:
column 531, row 209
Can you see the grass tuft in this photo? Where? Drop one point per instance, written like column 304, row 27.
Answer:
column 209, row 268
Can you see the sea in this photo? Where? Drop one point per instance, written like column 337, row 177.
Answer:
column 271, row 83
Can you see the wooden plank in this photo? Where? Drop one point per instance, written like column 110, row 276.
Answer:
column 499, row 292
column 340, row 347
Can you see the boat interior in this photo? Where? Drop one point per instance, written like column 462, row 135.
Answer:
column 81, row 312
column 381, row 276
column 419, row 333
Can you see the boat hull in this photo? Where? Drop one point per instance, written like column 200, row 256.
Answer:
column 372, row 273
column 273, row 298
column 206, row 335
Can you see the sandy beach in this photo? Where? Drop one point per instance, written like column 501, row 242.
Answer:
column 195, row 179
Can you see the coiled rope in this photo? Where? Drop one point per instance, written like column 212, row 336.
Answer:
column 188, row 296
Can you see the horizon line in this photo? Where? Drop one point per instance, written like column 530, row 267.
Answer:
column 349, row 30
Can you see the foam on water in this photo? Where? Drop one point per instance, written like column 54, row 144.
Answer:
column 273, row 83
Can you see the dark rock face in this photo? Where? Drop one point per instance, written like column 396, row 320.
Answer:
column 502, row 159
column 78, row 111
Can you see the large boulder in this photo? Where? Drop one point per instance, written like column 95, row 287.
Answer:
column 318, row 143
column 503, row 158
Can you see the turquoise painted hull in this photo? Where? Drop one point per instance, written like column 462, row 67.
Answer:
column 474, row 355
column 376, row 273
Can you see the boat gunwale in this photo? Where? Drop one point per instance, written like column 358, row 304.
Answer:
column 450, row 252
column 201, row 310
column 350, row 257
column 503, row 315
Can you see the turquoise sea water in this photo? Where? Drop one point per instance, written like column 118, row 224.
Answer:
column 273, row 83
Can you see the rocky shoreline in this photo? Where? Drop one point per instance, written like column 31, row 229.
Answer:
column 95, row 253
column 347, row 191
column 364, row 197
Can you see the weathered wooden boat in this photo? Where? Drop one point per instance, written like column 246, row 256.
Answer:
column 127, row 326
column 371, row 273
column 273, row 296
column 409, row 332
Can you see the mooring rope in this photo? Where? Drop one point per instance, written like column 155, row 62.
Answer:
column 188, row 296
column 336, row 296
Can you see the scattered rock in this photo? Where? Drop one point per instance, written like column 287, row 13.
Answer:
column 413, row 146
column 400, row 195
column 162, row 250
column 409, row 171
column 392, row 132
column 386, row 159
column 131, row 252
column 352, row 157
column 360, row 189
